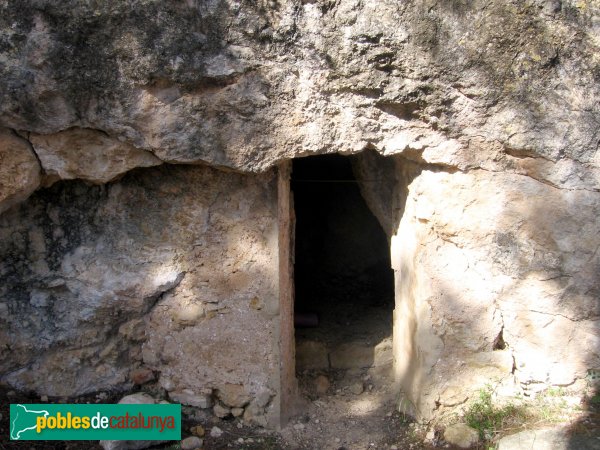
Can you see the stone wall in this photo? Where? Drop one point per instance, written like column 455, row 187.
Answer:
column 172, row 269
column 497, row 283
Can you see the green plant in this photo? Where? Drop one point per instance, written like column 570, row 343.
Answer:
column 489, row 419
column 173, row 447
column 555, row 391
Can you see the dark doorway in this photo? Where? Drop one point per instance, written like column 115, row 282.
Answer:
column 344, row 284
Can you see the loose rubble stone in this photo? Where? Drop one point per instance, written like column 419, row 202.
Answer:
column 216, row 432
column 255, row 415
column 141, row 376
column 233, row 395
column 188, row 397
column 430, row 436
column 461, row 435
column 237, row 412
column 191, row 443
column 356, row 388
column 322, row 384
column 139, row 398
column 198, row 430
column 221, row 411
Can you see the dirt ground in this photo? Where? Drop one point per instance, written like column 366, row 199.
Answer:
column 341, row 410
column 339, row 417
column 356, row 412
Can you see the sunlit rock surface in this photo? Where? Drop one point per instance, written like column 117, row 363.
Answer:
column 489, row 109
column 87, row 155
column 243, row 85
column 498, row 275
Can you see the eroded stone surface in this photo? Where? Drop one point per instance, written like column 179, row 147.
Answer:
column 495, row 225
column 98, row 275
column 461, row 435
column 19, row 170
column 244, row 85
column 88, row 155
column 480, row 255
column 558, row 438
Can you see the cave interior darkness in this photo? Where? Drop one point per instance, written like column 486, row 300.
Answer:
column 342, row 270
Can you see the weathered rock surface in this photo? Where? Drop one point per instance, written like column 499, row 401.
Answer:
column 87, row 155
column 548, row 439
column 244, row 85
column 489, row 108
column 19, row 170
column 499, row 270
column 461, row 435
column 94, row 278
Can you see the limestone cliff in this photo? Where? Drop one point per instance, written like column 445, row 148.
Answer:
column 490, row 108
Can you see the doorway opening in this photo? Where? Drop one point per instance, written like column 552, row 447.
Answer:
column 344, row 283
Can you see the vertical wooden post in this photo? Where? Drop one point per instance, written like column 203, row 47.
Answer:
column 287, row 350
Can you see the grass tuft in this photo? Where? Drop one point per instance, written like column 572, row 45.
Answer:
column 489, row 419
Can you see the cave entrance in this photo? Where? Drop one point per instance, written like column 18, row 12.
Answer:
column 344, row 282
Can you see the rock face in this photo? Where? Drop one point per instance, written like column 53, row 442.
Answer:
column 158, row 270
column 488, row 110
column 245, row 84
column 87, row 155
column 19, row 171
column 498, row 274
column 548, row 439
